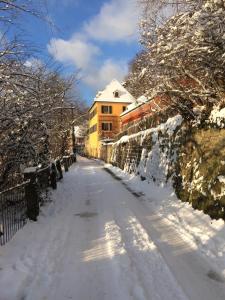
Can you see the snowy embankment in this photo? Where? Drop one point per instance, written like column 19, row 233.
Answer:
column 203, row 233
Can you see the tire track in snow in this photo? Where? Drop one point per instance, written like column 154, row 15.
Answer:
column 190, row 270
column 151, row 270
column 122, row 264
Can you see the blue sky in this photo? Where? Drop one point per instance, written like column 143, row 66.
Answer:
column 97, row 37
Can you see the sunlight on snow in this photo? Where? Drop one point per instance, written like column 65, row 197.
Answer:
column 107, row 247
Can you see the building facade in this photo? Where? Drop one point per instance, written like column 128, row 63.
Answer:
column 104, row 116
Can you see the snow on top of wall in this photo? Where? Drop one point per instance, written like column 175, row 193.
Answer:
column 107, row 95
column 169, row 126
column 217, row 116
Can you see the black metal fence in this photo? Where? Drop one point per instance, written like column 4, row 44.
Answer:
column 13, row 211
column 22, row 202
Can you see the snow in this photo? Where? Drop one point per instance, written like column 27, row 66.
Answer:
column 142, row 73
column 108, row 96
column 79, row 131
column 221, row 178
column 83, row 239
column 205, row 235
column 169, row 126
column 131, row 107
column 155, row 163
column 96, row 240
column 217, row 116
column 140, row 101
column 192, row 30
column 30, row 170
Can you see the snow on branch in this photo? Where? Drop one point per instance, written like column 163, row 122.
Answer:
column 183, row 56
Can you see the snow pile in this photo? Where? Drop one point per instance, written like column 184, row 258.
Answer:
column 124, row 247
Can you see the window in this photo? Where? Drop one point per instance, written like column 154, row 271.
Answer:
column 106, row 109
column 116, row 94
column 93, row 129
column 106, row 126
column 92, row 113
column 124, row 108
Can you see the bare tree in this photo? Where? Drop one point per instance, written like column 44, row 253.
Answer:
column 35, row 102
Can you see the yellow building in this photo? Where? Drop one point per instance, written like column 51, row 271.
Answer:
column 104, row 116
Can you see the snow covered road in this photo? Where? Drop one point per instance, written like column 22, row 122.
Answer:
column 97, row 241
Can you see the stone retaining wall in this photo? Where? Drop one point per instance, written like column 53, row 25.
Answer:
column 191, row 159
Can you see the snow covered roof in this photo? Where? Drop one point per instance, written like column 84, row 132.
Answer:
column 141, row 100
column 109, row 94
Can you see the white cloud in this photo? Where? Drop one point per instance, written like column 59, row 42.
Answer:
column 116, row 21
column 83, row 54
column 76, row 51
column 98, row 78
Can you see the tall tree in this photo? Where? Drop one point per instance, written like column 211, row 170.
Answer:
column 35, row 102
column 185, row 52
